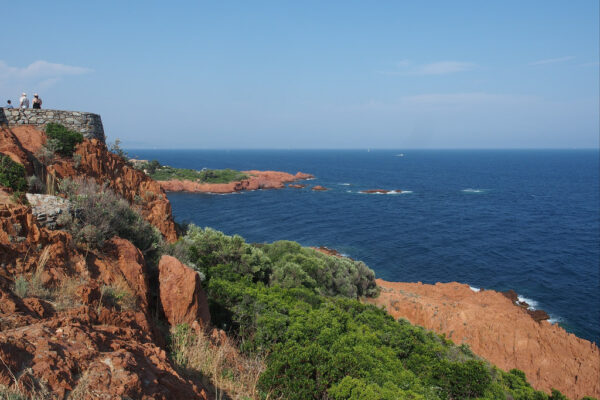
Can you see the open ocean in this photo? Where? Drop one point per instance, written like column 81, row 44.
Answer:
column 527, row 220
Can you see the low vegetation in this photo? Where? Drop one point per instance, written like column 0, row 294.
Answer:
column 283, row 264
column 62, row 297
column 298, row 309
column 101, row 214
column 164, row 173
column 218, row 360
column 12, row 174
column 118, row 295
column 65, row 140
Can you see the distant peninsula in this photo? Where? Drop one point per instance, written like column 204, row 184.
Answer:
column 218, row 181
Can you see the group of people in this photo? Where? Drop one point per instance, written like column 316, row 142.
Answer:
column 24, row 102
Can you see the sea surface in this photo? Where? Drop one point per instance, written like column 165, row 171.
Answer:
column 527, row 220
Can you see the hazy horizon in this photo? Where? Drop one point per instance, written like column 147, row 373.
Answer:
column 314, row 75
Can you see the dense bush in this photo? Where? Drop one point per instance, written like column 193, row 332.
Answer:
column 325, row 347
column 66, row 139
column 12, row 174
column 295, row 266
column 283, row 263
column 101, row 214
column 298, row 308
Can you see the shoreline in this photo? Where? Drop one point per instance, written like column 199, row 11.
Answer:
column 257, row 180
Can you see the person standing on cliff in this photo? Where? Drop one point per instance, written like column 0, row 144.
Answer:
column 8, row 104
column 37, row 102
column 24, row 101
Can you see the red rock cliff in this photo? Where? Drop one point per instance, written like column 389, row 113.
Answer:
column 79, row 322
column 63, row 332
column 23, row 142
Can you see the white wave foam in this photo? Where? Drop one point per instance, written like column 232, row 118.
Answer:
column 389, row 192
column 348, row 191
column 344, row 184
column 227, row 194
column 532, row 303
column 475, row 289
column 554, row 320
column 470, row 190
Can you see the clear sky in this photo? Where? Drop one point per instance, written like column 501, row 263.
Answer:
column 314, row 74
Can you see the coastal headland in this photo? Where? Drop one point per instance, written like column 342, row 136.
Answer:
column 101, row 308
column 256, row 180
column 500, row 331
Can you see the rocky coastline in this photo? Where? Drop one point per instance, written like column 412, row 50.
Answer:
column 84, row 320
column 257, row 180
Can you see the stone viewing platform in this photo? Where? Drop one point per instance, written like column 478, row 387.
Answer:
column 88, row 124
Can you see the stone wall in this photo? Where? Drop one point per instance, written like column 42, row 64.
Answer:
column 90, row 125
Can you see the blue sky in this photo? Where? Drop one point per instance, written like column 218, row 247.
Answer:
column 314, row 74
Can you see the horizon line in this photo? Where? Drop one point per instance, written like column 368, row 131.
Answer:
column 356, row 148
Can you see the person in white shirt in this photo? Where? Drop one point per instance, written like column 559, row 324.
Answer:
column 24, row 101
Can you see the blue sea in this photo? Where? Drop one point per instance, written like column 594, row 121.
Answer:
column 526, row 220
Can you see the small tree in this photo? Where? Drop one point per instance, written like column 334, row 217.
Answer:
column 12, row 174
column 66, row 139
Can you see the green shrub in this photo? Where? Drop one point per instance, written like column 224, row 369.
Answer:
column 164, row 173
column 283, row 263
column 12, row 174
column 557, row 395
column 313, row 342
column 298, row 308
column 330, row 275
column 462, row 379
column 66, row 139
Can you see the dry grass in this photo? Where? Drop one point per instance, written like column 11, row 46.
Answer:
column 119, row 295
column 33, row 286
column 65, row 296
column 231, row 374
column 62, row 297
column 24, row 387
